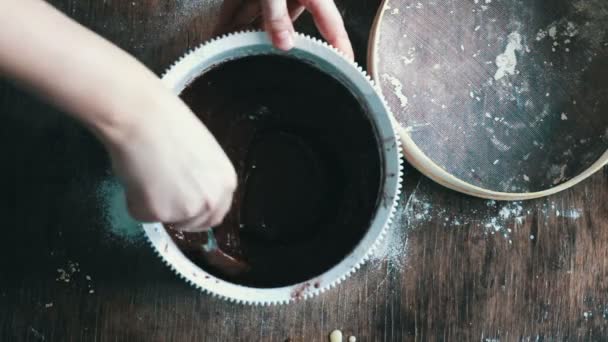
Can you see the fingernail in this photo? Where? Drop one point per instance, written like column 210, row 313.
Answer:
column 284, row 40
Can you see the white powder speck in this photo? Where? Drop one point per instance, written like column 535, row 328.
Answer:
column 407, row 60
column 48, row 305
column 541, row 35
column 394, row 246
column 67, row 273
column 572, row 214
column 499, row 144
column 552, row 32
column 526, row 178
column 493, row 224
column 397, row 89
column 507, row 61
column 571, row 29
column 558, row 172
column 416, row 127
column 564, row 116
column 119, row 223
column 510, row 213
column 495, row 219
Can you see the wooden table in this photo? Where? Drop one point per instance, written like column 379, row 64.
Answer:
column 456, row 268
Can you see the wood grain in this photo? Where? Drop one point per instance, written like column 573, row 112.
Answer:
column 455, row 282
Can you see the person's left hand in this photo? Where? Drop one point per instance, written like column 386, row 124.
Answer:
column 276, row 17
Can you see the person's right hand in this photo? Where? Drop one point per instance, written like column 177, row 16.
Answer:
column 172, row 167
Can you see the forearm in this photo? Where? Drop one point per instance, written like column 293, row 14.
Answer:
column 74, row 68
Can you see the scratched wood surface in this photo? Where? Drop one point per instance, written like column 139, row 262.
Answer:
column 457, row 269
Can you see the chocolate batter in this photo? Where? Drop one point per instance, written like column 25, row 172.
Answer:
column 309, row 169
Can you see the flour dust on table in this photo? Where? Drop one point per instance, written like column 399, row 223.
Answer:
column 120, row 226
column 493, row 217
column 393, row 248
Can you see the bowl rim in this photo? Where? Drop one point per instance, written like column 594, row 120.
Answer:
column 330, row 61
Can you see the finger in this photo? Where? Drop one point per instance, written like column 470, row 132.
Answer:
column 330, row 24
column 198, row 223
column 278, row 23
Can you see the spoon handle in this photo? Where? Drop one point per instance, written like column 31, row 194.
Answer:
column 211, row 241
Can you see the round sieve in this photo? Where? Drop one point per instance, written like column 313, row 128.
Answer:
column 497, row 99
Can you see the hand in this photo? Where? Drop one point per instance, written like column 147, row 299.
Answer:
column 173, row 169
column 277, row 17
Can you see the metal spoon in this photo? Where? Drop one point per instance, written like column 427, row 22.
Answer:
column 218, row 259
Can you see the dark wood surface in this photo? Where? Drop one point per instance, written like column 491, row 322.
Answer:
column 455, row 269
